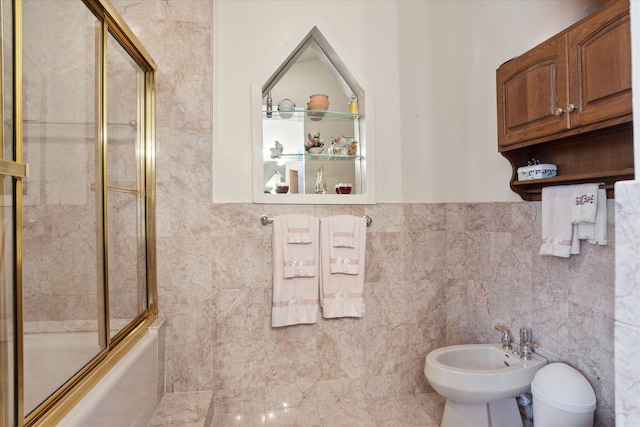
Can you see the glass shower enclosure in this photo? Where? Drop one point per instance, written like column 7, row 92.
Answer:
column 77, row 179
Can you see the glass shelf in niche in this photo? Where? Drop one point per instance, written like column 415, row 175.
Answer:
column 321, row 156
column 313, row 115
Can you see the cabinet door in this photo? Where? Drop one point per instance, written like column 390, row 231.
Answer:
column 600, row 66
column 530, row 89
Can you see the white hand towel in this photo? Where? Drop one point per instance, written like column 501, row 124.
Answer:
column 595, row 232
column 295, row 299
column 298, row 229
column 584, row 203
column 575, row 241
column 585, row 230
column 600, row 226
column 341, row 295
column 343, row 231
column 300, row 256
column 557, row 229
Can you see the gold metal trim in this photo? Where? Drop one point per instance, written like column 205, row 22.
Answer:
column 102, row 236
column 17, row 144
column 8, row 167
column 7, row 390
column 130, row 123
column 150, row 171
column 121, row 190
column 122, row 32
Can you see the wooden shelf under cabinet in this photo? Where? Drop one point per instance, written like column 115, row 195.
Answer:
column 604, row 156
column 533, row 188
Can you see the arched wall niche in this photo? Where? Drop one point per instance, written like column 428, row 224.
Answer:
column 312, row 67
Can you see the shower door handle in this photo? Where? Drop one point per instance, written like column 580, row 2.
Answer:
column 19, row 170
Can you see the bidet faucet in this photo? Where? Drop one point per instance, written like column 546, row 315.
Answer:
column 507, row 338
column 526, row 343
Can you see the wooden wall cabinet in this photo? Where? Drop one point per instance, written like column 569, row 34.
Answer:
column 568, row 102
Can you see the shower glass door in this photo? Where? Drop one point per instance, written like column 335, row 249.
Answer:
column 77, row 202
column 63, row 280
column 7, row 222
column 7, row 341
column 125, row 188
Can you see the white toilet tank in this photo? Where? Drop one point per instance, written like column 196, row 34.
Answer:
column 562, row 397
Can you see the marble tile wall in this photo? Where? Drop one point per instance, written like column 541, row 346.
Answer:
column 256, row 366
column 436, row 274
column 496, row 276
column 627, row 321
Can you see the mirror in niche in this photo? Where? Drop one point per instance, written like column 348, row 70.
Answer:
column 312, row 130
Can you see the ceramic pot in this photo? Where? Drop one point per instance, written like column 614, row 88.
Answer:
column 318, row 101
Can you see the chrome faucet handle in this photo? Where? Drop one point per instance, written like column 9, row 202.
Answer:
column 507, row 338
column 526, row 349
column 526, row 343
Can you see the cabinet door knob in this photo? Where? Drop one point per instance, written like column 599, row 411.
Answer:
column 560, row 111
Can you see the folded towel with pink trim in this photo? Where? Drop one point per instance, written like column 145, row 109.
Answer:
column 295, row 270
column 300, row 253
column 342, row 253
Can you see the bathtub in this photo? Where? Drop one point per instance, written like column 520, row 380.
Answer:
column 129, row 394
column 51, row 358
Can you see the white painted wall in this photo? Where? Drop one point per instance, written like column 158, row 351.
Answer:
column 431, row 65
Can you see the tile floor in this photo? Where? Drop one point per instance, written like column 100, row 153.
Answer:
column 183, row 409
column 192, row 410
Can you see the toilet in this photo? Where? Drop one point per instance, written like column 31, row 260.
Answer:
column 562, row 397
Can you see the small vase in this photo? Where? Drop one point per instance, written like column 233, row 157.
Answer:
column 321, row 183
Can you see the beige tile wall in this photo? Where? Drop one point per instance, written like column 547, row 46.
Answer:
column 436, row 274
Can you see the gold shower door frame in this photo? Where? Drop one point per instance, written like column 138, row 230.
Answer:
column 53, row 409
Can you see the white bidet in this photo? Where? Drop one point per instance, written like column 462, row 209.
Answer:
column 481, row 383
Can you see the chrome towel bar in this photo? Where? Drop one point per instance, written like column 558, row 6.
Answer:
column 269, row 220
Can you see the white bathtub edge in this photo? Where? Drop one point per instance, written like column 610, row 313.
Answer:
column 128, row 394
